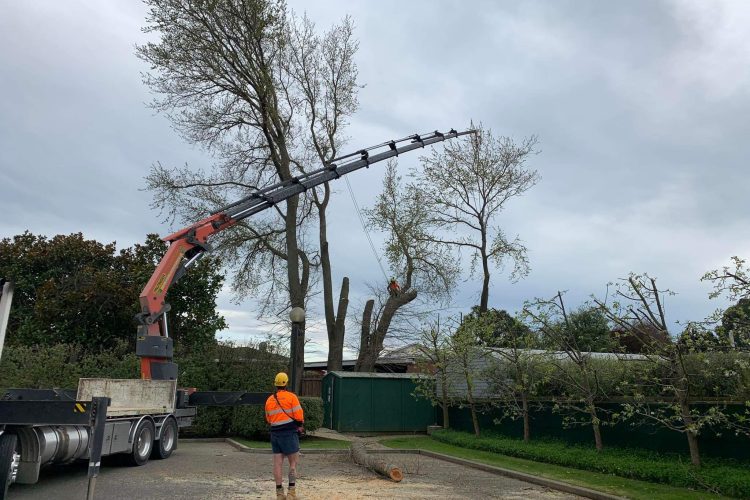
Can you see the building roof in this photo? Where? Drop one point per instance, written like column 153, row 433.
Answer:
column 374, row 375
column 402, row 356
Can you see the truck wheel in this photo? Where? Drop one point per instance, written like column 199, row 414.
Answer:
column 168, row 441
column 143, row 442
column 9, row 459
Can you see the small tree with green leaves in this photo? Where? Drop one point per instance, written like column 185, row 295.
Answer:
column 468, row 184
column 467, row 359
column 663, row 390
column 423, row 267
column 583, row 381
column 516, row 370
column 437, row 386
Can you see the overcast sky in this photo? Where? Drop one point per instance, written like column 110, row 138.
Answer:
column 641, row 109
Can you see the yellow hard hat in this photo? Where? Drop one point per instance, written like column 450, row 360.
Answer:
column 281, row 380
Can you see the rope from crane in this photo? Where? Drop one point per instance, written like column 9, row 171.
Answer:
column 364, row 228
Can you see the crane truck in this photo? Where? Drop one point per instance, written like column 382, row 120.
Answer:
column 142, row 418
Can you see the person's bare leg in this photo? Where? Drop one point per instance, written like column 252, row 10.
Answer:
column 293, row 459
column 278, row 462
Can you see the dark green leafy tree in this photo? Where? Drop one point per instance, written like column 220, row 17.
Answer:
column 70, row 290
column 734, row 329
column 733, row 283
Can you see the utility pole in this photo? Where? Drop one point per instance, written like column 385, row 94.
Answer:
column 297, row 315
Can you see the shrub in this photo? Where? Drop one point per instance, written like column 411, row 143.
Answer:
column 61, row 365
column 313, row 408
column 211, row 421
column 249, row 422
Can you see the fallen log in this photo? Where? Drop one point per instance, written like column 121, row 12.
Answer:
column 374, row 463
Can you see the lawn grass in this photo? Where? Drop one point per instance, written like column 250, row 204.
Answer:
column 306, row 443
column 717, row 475
column 629, row 488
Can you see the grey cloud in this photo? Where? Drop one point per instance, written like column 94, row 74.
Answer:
column 641, row 109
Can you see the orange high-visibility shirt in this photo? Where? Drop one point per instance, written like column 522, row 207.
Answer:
column 289, row 411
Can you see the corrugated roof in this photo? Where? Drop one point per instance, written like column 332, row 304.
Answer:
column 374, row 375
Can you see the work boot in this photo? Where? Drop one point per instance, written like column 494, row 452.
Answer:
column 280, row 494
column 292, row 493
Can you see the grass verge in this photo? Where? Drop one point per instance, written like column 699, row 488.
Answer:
column 306, row 443
column 728, row 477
column 629, row 488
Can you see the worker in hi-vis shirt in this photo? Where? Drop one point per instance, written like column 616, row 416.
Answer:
column 284, row 414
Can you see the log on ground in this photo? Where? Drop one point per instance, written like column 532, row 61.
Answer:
column 374, row 463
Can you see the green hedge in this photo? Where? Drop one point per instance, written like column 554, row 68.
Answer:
column 45, row 367
column 211, row 421
column 313, row 408
column 250, row 422
column 727, row 477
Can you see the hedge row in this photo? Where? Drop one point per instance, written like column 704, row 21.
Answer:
column 43, row 367
column 249, row 421
column 723, row 476
column 221, row 367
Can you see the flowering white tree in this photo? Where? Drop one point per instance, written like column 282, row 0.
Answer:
column 663, row 391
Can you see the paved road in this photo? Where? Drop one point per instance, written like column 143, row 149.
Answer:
column 216, row 470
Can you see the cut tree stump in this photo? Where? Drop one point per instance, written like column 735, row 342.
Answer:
column 377, row 464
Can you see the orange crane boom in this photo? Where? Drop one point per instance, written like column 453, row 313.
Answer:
column 188, row 245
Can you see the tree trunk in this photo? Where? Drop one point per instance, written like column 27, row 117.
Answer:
column 692, row 436
column 373, row 340
column 365, row 336
column 470, row 394
column 361, row 457
column 484, row 301
column 597, row 429
column 444, row 390
column 336, row 335
column 335, row 324
column 296, row 289
column 474, row 417
column 525, row 409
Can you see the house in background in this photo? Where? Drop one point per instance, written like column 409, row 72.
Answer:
column 401, row 360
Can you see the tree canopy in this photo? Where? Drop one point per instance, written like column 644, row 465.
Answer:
column 73, row 290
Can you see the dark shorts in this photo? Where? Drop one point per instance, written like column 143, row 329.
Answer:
column 285, row 442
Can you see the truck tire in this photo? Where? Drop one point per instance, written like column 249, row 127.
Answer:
column 143, row 442
column 8, row 462
column 168, row 441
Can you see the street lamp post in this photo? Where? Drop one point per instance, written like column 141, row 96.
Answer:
column 297, row 315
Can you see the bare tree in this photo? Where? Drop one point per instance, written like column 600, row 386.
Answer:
column 422, row 265
column 266, row 95
column 326, row 73
column 469, row 184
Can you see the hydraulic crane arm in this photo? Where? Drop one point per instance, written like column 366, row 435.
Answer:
column 188, row 245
